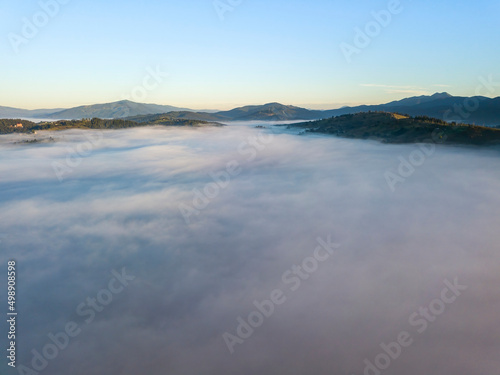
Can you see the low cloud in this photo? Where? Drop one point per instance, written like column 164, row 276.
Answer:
column 119, row 208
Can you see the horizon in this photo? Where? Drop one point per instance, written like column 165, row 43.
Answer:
column 254, row 187
column 305, row 106
column 207, row 55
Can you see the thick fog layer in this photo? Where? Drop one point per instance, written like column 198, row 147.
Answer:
column 245, row 251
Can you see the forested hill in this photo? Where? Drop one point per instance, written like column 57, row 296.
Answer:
column 394, row 128
column 22, row 126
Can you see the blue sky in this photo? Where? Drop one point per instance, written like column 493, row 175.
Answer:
column 275, row 50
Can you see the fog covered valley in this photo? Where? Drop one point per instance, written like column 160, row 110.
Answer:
column 244, row 250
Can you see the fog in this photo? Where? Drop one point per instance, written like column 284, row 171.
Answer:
column 76, row 209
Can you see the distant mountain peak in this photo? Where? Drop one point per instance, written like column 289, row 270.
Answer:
column 441, row 95
column 119, row 109
column 275, row 104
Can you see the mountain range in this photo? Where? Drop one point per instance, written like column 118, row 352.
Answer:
column 479, row 110
column 121, row 109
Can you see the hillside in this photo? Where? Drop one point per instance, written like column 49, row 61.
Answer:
column 114, row 110
column 270, row 112
column 12, row 113
column 181, row 115
column 168, row 120
column 8, row 126
column 120, row 109
column 395, row 128
column 442, row 106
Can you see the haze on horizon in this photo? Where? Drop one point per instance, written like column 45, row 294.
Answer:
column 257, row 52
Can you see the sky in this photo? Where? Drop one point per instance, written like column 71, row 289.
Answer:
column 213, row 55
column 116, row 207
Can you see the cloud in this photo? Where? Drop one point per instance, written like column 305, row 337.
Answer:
column 119, row 208
column 390, row 89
